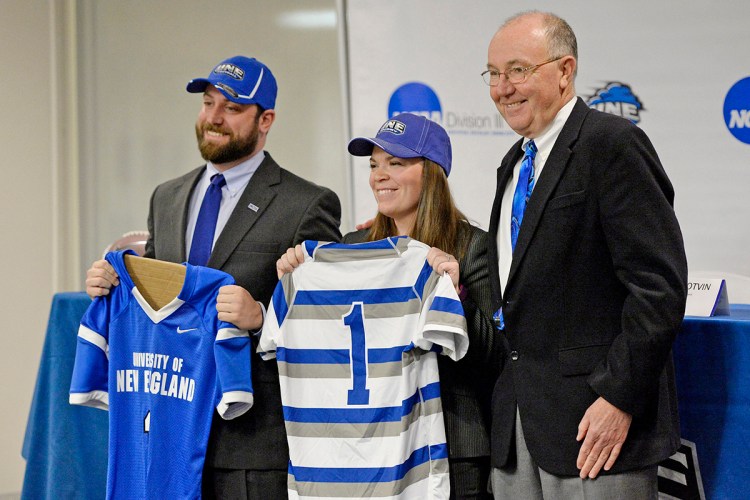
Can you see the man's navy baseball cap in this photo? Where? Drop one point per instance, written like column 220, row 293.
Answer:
column 242, row 80
column 408, row 136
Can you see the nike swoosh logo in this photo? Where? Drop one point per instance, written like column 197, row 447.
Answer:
column 180, row 330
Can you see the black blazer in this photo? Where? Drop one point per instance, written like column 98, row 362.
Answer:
column 594, row 299
column 466, row 385
column 289, row 210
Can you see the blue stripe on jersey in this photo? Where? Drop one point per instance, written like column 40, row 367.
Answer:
column 361, row 415
column 337, row 356
column 346, row 297
column 310, row 246
column 386, row 354
column 370, row 474
column 313, row 356
column 384, row 244
column 444, row 304
column 435, row 348
column 424, row 275
column 344, row 415
column 280, row 306
column 430, row 391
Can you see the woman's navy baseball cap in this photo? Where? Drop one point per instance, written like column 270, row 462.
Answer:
column 407, row 135
column 241, row 79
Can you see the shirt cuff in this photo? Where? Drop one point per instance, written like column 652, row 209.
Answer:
column 255, row 333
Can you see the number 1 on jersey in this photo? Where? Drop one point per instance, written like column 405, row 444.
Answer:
column 359, row 394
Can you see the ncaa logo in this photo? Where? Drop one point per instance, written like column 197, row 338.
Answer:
column 737, row 110
column 417, row 98
column 618, row 99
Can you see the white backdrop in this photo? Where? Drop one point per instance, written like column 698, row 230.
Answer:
column 678, row 60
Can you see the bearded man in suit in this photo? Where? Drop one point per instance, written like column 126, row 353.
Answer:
column 589, row 281
column 264, row 210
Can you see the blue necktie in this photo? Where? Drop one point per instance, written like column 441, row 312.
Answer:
column 520, row 198
column 523, row 192
column 205, row 226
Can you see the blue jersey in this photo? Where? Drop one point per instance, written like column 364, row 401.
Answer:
column 160, row 373
column 355, row 331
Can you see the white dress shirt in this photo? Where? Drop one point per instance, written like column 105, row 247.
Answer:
column 544, row 144
column 237, row 179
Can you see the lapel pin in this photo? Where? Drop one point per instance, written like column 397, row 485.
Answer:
column 253, row 207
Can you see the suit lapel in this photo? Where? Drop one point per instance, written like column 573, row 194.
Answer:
column 504, row 174
column 252, row 203
column 176, row 232
column 553, row 170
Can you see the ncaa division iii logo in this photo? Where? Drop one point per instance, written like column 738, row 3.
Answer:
column 737, row 110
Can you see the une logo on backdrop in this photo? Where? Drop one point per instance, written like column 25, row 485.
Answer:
column 737, row 110
column 617, row 98
column 417, row 98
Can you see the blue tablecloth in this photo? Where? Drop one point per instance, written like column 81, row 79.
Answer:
column 65, row 446
column 712, row 361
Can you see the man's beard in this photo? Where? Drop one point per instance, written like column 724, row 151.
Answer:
column 235, row 149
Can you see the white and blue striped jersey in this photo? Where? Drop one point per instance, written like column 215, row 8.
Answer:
column 160, row 373
column 356, row 330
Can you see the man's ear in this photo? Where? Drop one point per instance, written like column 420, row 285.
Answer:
column 266, row 120
column 568, row 66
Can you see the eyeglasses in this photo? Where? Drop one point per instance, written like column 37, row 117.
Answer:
column 514, row 75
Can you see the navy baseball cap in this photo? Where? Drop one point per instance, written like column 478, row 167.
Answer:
column 242, row 80
column 408, row 136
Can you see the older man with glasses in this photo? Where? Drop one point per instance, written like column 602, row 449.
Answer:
column 589, row 281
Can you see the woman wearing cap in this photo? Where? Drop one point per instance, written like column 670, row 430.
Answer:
column 410, row 159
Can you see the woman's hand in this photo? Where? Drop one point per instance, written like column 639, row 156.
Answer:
column 442, row 262
column 290, row 260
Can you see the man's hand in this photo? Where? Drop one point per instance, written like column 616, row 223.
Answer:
column 365, row 225
column 100, row 277
column 235, row 305
column 291, row 260
column 442, row 262
column 604, row 427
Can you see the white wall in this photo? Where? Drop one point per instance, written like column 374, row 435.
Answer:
column 26, row 263
column 137, row 119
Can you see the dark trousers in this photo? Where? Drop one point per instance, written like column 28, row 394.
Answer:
column 232, row 484
column 470, row 478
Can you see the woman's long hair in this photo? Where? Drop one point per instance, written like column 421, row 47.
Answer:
column 438, row 223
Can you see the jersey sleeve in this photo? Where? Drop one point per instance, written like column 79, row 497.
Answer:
column 275, row 316
column 231, row 349
column 442, row 320
column 90, row 381
column 232, row 355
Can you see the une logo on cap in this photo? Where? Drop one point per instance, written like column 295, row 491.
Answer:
column 394, row 127
column 231, row 70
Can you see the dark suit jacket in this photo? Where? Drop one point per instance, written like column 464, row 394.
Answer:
column 594, row 299
column 466, row 385
column 289, row 210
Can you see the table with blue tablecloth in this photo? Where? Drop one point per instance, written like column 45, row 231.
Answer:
column 712, row 361
column 65, row 446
